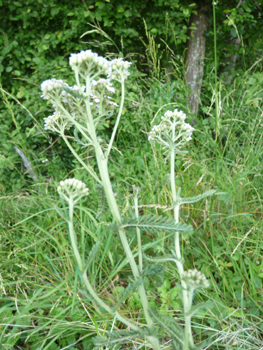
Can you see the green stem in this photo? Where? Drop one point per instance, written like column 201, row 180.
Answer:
column 73, row 240
column 105, row 306
column 117, row 120
column 188, row 337
column 105, row 179
column 72, row 235
column 138, row 231
column 89, row 169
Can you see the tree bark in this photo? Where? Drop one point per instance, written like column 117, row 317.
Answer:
column 194, row 60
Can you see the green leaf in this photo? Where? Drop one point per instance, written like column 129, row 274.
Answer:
column 196, row 308
column 20, row 94
column 169, row 324
column 61, row 213
column 128, row 13
column 71, row 14
column 54, row 11
column 120, row 9
column 8, row 69
column 197, row 198
column 92, row 255
column 152, row 223
column 47, row 36
column 131, row 288
column 16, row 3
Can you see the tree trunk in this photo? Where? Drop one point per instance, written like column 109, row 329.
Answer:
column 194, row 60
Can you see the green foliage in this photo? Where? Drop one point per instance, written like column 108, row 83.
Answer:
column 152, row 223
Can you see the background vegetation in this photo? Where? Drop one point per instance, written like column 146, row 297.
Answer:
column 42, row 304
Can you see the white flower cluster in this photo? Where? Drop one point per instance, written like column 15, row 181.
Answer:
column 72, row 189
column 119, row 68
column 99, row 93
column 173, row 131
column 195, row 279
column 88, row 63
column 51, row 88
column 72, row 100
column 56, row 122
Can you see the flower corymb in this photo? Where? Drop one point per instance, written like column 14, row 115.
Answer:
column 195, row 279
column 172, row 132
column 72, row 189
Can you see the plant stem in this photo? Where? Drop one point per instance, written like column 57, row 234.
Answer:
column 117, row 120
column 102, row 162
column 138, row 231
column 73, row 240
column 105, row 306
column 72, row 235
column 89, row 169
column 188, row 337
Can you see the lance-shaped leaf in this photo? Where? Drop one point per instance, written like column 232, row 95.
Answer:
column 169, row 324
column 162, row 259
column 115, row 337
column 74, row 93
column 92, row 255
column 80, row 142
column 188, row 200
column 62, row 213
column 196, row 308
column 153, row 223
column 102, row 201
column 131, row 287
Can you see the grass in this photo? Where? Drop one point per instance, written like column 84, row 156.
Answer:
column 43, row 304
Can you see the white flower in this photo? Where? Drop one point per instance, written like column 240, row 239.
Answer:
column 72, row 189
column 119, row 68
column 52, row 87
column 88, row 63
column 172, row 132
column 195, row 279
column 56, row 122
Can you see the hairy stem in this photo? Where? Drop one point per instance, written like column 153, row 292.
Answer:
column 179, row 264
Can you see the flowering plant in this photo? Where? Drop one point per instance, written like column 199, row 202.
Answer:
column 85, row 106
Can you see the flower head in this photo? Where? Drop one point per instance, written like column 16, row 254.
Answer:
column 88, row 63
column 57, row 122
column 195, row 279
column 72, row 189
column 51, row 88
column 172, row 132
column 119, row 69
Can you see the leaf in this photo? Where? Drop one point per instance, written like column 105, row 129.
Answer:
column 170, row 325
column 162, row 259
column 92, row 255
column 102, row 201
column 152, row 223
column 131, row 288
column 196, row 308
column 115, row 337
column 54, row 11
column 71, row 14
column 197, row 198
column 61, row 213
column 20, row 94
